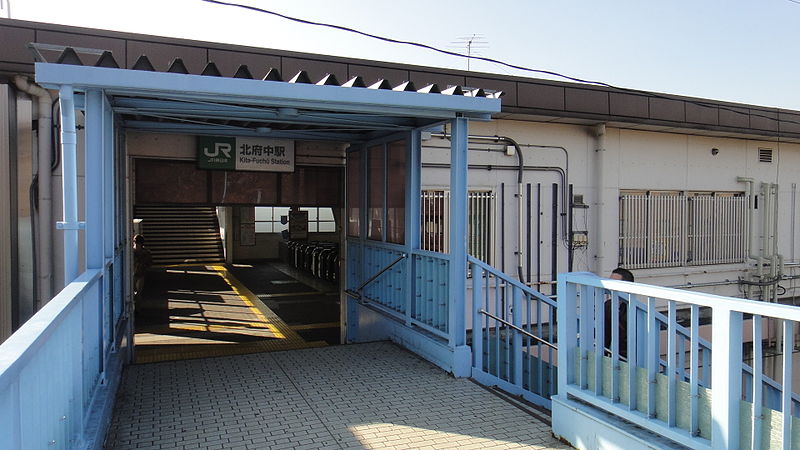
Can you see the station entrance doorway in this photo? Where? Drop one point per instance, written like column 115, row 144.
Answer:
column 240, row 261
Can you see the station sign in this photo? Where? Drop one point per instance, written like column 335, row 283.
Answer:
column 245, row 153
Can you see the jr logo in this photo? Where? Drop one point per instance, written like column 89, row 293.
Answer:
column 218, row 147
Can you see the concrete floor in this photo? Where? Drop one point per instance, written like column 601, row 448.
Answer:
column 205, row 311
column 351, row 396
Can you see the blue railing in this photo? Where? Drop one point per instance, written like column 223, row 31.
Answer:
column 412, row 288
column 51, row 369
column 431, row 291
column 772, row 390
column 661, row 378
column 513, row 335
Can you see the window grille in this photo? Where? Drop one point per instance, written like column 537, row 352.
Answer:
column 435, row 225
column 672, row 229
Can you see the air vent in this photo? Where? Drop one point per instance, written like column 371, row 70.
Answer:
column 765, row 155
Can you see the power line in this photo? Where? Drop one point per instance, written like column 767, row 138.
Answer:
column 499, row 62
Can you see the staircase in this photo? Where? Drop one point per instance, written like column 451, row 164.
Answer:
column 181, row 234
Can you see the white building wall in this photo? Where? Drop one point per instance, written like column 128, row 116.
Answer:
column 633, row 160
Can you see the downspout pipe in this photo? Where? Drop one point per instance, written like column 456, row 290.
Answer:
column 751, row 217
column 520, row 195
column 599, row 188
column 752, row 236
column 520, row 216
column 44, row 241
column 69, row 167
column 777, row 259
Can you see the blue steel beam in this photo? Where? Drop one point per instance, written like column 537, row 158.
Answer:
column 269, row 93
column 207, row 110
column 229, row 130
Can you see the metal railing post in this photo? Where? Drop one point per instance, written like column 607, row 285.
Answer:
column 516, row 344
column 477, row 320
column 726, row 378
column 567, row 331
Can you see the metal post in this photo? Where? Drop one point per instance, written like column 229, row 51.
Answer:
column 109, row 221
column 413, row 213
column 516, row 344
column 458, row 230
column 477, row 320
column 568, row 330
column 726, row 378
column 95, row 212
column 95, row 252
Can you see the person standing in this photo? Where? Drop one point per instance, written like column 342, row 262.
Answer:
column 142, row 260
column 622, row 274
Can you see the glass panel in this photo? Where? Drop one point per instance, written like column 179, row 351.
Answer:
column 396, row 192
column 312, row 213
column 377, row 183
column 263, row 227
column 326, row 214
column 354, row 194
column 327, row 227
column 263, row 213
column 280, row 211
column 278, row 227
column 312, row 227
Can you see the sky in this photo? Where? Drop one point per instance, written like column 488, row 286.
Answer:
column 731, row 50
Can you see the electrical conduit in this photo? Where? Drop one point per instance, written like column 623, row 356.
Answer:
column 44, row 239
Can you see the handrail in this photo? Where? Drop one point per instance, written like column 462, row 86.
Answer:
column 374, row 277
column 537, row 338
column 515, row 283
column 15, row 351
column 701, row 299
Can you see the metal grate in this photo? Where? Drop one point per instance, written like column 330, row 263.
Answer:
column 671, row 229
column 480, row 227
column 765, row 155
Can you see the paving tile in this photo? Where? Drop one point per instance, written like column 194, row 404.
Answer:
column 356, row 396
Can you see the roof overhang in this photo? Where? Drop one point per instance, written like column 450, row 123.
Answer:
column 201, row 104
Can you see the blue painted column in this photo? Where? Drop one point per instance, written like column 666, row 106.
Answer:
column 413, row 214
column 458, row 247
column 109, row 230
column 95, row 327
column 69, row 179
column 94, row 181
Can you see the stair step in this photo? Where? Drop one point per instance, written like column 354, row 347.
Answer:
column 180, row 234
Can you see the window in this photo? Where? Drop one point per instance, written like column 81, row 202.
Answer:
column 376, row 181
column 320, row 220
column 354, row 193
column 268, row 219
column 672, row 229
column 396, row 192
column 387, row 166
column 435, row 227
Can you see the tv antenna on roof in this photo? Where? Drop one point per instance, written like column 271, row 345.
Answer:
column 473, row 44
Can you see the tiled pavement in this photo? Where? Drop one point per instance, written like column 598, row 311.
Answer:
column 353, row 396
